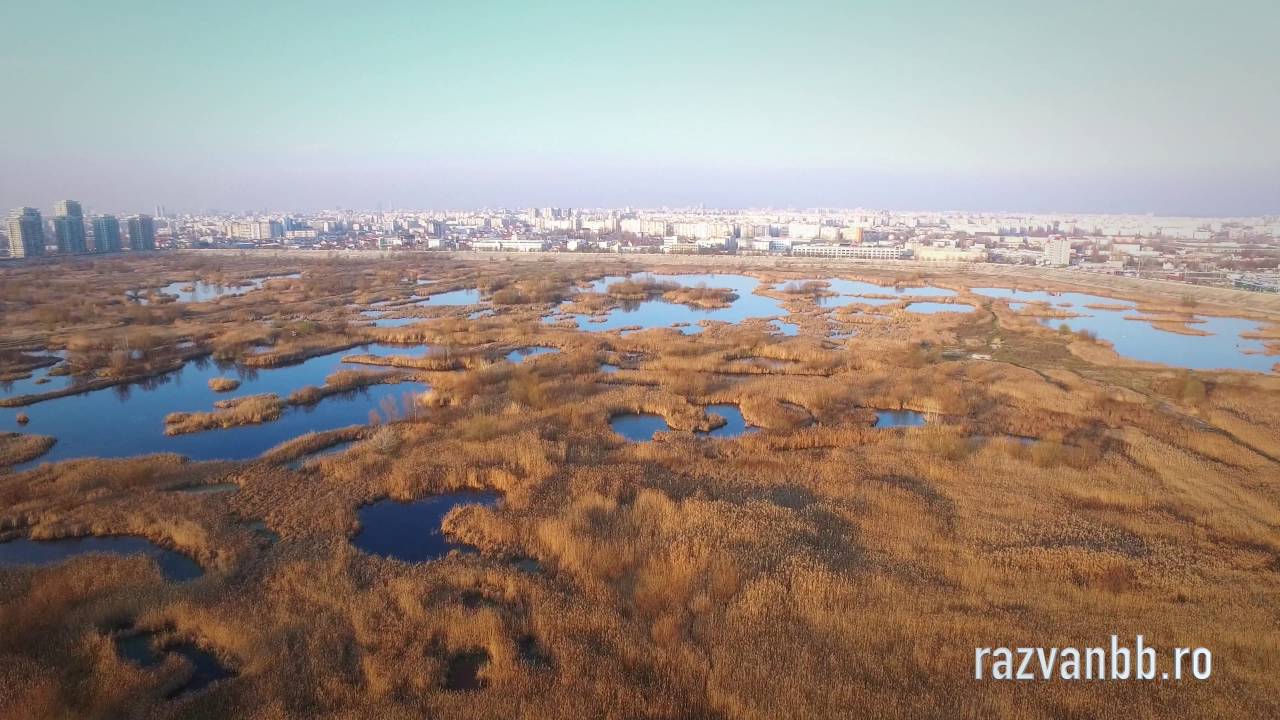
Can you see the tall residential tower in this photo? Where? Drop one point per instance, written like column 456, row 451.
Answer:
column 26, row 233
column 68, row 227
column 142, row 233
column 106, row 234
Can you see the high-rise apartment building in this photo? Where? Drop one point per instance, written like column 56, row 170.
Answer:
column 142, row 233
column 70, row 208
column 263, row 230
column 68, row 227
column 106, row 234
column 1057, row 251
column 26, row 233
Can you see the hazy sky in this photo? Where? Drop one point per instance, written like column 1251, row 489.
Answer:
column 1136, row 105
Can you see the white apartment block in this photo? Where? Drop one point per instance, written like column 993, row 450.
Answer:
column 1057, row 252
column 863, row 252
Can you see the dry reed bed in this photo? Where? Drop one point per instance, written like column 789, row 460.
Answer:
column 234, row 412
column 815, row 567
column 17, row 448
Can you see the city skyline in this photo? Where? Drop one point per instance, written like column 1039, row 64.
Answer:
column 1161, row 108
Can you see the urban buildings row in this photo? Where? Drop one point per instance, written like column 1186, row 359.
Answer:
column 1244, row 252
column 27, row 236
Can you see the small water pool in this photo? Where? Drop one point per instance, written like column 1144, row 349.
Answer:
column 735, row 424
column 524, row 353
column 786, row 328
column 141, row 650
column 410, row 531
column 638, row 427
column 453, row 297
column 174, row 566
column 899, row 418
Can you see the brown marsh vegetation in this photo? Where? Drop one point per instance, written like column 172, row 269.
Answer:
column 821, row 567
column 222, row 384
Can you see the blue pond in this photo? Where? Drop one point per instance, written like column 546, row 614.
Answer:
column 40, row 381
column 1224, row 348
column 203, row 292
column 735, row 426
column 851, row 292
column 453, row 297
column 411, row 531
column 398, row 322
column 638, row 427
column 786, row 328
column 129, row 419
column 660, row 313
column 899, row 418
column 521, row 354
column 174, row 566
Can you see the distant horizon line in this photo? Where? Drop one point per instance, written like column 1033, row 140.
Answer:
column 515, row 209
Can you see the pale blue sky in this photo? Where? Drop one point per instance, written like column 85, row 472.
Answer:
column 1168, row 107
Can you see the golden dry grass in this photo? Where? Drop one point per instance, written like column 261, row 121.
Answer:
column 247, row 410
column 819, row 568
column 221, row 384
column 17, row 448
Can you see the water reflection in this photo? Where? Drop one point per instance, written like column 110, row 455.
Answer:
column 453, row 297
column 660, row 313
column 411, row 531
column 899, row 418
column 129, row 420
column 854, row 292
column 735, row 425
column 1223, row 348
column 521, row 354
column 174, row 566
column 187, row 291
column 786, row 328
column 638, row 427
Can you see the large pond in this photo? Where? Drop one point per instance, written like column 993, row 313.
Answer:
column 187, row 291
column 660, row 313
column 174, row 566
column 411, row 531
column 40, row 380
column 1224, row 348
column 851, row 292
column 129, row 419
